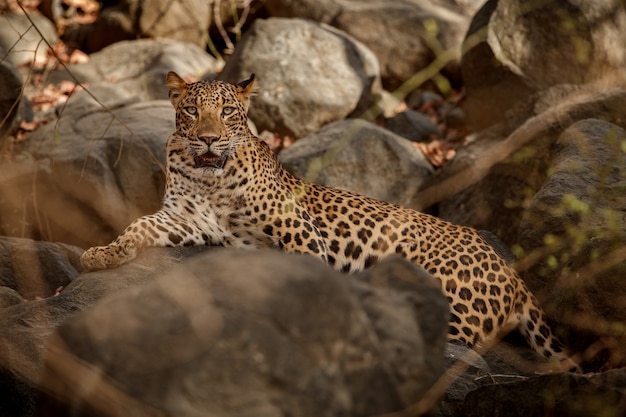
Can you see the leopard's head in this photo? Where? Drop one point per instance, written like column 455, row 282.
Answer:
column 211, row 116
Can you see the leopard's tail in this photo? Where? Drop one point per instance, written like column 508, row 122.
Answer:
column 533, row 324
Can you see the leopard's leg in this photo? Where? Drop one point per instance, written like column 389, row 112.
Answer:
column 159, row 229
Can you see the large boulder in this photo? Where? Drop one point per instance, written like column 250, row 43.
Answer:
column 361, row 157
column 574, row 233
column 406, row 36
column 99, row 163
column 13, row 107
column 137, row 69
column 89, row 174
column 25, row 327
column 413, row 125
column 21, row 43
column 309, row 74
column 568, row 395
column 185, row 21
column 504, row 67
column 269, row 333
column 35, row 268
column 514, row 163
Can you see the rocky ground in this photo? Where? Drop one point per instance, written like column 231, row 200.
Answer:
column 520, row 134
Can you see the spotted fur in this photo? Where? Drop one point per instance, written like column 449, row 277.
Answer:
column 226, row 187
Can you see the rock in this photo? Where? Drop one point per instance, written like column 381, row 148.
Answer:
column 137, row 69
column 412, row 125
column 37, row 269
column 416, row 298
column 564, row 394
column 497, row 201
column 323, row 11
column 359, row 156
column 309, row 75
column 9, row 297
column 504, row 68
column 89, row 175
column 184, row 21
column 26, row 326
column 467, row 371
column 21, row 42
column 574, row 228
column 13, row 109
column 492, row 89
column 270, row 333
column 410, row 28
column 463, row 368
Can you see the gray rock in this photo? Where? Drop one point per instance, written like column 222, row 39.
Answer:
column 359, row 156
column 323, row 11
column 89, row 174
column 21, row 42
column 492, row 89
column 136, row 69
column 184, row 21
column 575, row 226
column 25, row 327
column 467, row 371
column 9, row 297
column 497, row 201
column 463, row 368
column 400, row 33
column 403, row 35
column 565, row 394
column 412, row 125
column 37, row 269
column 13, row 109
column 309, row 74
column 504, row 68
column 270, row 334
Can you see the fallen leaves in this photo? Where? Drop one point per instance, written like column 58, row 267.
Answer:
column 275, row 141
column 438, row 151
column 67, row 55
column 53, row 95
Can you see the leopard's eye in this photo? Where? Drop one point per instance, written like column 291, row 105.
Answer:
column 227, row 111
column 190, row 110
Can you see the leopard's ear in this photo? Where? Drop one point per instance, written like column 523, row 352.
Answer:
column 177, row 86
column 246, row 89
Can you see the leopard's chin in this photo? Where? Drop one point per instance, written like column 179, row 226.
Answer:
column 210, row 160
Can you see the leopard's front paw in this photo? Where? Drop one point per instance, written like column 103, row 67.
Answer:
column 103, row 257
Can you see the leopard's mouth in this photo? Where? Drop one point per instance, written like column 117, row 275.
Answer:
column 209, row 160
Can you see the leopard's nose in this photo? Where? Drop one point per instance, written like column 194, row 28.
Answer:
column 208, row 139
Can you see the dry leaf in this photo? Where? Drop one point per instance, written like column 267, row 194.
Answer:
column 438, row 152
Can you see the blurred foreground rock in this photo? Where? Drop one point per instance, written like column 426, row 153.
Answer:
column 25, row 325
column 283, row 334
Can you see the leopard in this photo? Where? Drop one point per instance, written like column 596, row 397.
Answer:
column 226, row 187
